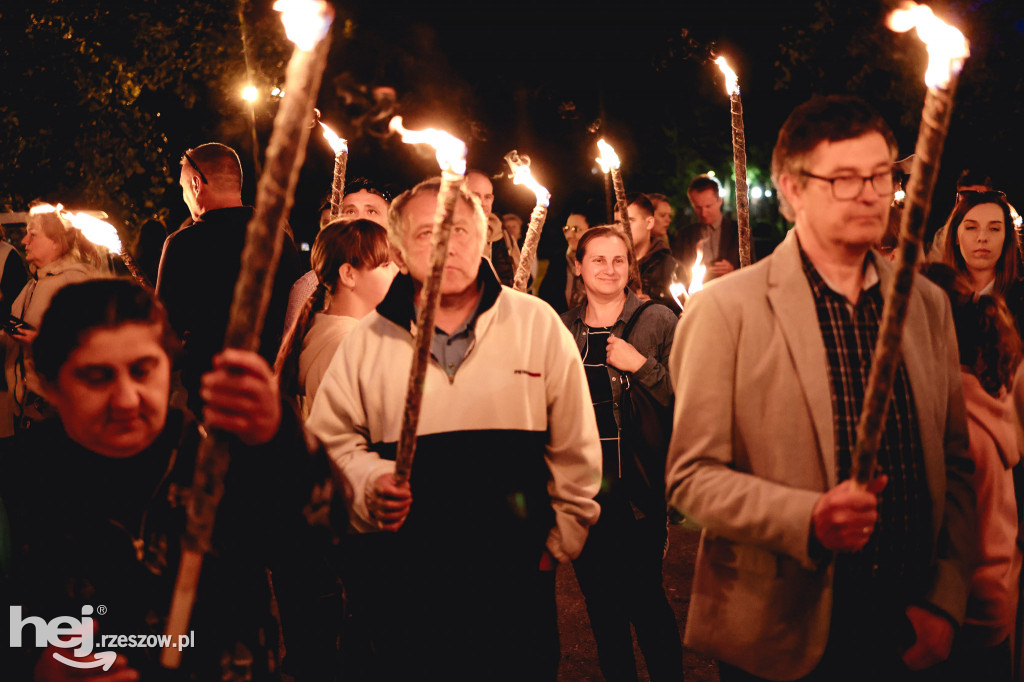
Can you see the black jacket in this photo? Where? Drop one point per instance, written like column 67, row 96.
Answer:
column 198, row 271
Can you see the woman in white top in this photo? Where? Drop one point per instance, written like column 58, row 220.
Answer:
column 353, row 264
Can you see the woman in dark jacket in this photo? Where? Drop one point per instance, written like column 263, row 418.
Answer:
column 98, row 508
column 625, row 347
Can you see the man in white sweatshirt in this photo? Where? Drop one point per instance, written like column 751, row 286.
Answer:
column 507, row 462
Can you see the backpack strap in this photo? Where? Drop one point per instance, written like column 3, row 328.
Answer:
column 635, row 317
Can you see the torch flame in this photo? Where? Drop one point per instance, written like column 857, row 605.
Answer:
column 305, row 21
column 677, row 289
column 451, row 151
column 521, row 175
column 99, row 232
column 697, row 273
column 732, row 84
column 608, row 159
column 45, row 208
column 338, row 144
column 947, row 47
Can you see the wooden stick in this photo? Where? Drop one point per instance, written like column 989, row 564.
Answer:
column 338, row 186
column 938, row 108
column 529, row 252
column 274, row 196
column 133, row 269
column 430, row 295
column 739, row 159
column 608, row 197
column 622, row 206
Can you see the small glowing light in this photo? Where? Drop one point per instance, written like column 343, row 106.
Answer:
column 768, row 193
column 451, row 151
column 305, row 21
column 250, row 93
column 756, row 192
column 608, row 160
column 277, row 92
column 732, row 86
column 710, row 174
column 724, row 193
column 899, row 195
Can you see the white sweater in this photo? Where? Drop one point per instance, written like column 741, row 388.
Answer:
column 520, row 395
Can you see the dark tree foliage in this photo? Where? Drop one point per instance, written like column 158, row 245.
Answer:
column 99, row 98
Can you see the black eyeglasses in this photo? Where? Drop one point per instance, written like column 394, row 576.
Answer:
column 847, row 187
column 364, row 185
column 186, row 157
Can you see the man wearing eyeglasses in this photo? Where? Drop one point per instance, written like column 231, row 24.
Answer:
column 201, row 262
column 800, row 574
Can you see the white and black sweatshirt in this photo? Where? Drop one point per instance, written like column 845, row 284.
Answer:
column 507, row 450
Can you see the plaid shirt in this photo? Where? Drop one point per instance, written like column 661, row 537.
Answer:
column 896, row 558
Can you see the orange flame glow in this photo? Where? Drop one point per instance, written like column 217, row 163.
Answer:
column 305, row 21
column 608, row 159
column 697, row 273
column 677, row 289
column 947, row 47
column 99, row 232
column 521, row 175
column 338, row 144
column 45, row 208
column 451, row 151
column 732, row 84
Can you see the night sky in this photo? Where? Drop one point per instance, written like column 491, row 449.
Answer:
column 549, row 78
column 540, row 77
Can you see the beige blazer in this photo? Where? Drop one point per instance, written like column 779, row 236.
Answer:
column 754, row 446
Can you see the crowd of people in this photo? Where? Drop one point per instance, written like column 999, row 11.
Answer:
column 558, row 426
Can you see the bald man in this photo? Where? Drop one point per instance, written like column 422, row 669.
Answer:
column 200, row 264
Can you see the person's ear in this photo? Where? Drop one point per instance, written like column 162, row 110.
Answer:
column 577, row 269
column 397, row 256
column 347, row 275
column 196, row 185
column 650, row 223
column 790, row 187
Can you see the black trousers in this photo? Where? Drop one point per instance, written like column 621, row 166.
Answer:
column 447, row 613
column 620, row 575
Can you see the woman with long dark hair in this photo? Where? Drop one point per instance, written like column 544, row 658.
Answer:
column 983, row 247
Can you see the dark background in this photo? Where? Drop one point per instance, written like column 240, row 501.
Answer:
column 97, row 99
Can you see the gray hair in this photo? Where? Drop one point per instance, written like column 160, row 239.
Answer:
column 398, row 224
